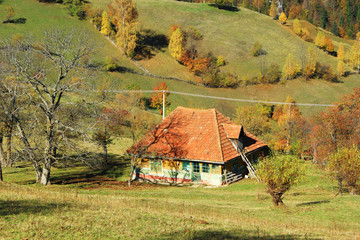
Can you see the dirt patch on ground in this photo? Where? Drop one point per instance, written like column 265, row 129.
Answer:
column 99, row 182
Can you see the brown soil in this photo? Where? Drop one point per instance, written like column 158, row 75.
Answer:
column 99, row 182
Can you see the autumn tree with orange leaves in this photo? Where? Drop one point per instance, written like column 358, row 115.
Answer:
column 336, row 127
column 157, row 98
column 195, row 64
column 291, row 128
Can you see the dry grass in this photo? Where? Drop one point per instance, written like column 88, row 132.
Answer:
column 240, row 211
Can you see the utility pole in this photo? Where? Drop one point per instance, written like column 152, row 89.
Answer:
column 163, row 111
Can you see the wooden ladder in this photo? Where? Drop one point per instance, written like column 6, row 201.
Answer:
column 250, row 166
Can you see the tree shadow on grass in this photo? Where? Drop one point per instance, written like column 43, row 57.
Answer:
column 312, row 203
column 14, row 207
column 16, row 20
column 230, row 235
column 149, row 43
column 107, row 173
column 225, row 7
column 120, row 69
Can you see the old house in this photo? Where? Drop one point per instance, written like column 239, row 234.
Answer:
column 194, row 145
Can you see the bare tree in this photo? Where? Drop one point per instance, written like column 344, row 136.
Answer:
column 48, row 69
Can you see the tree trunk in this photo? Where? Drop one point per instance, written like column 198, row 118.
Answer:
column 8, row 148
column 131, row 171
column 105, row 152
column 353, row 190
column 277, row 199
column 37, row 173
column 340, row 186
column 45, row 175
column 49, row 151
column 1, row 176
column 2, row 154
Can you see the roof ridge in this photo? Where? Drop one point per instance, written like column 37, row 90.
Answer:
column 218, row 134
column 227, row 118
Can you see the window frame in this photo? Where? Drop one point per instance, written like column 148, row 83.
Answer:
column 187, row 164
column 156, row 166
column 197, row 167
column 206, row 167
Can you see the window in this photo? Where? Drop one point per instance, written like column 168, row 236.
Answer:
column 215, row 169
column 186, row 166
column 205, row 167
column 196, row 167
column 155, row 166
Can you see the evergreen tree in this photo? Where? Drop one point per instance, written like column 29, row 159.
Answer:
column 341, row 21
column 335, row 29
column 323, row 18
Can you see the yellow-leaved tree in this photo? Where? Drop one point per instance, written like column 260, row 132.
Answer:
column 291, row 68
column 124, row 16
column 105, row 24
column 297, row 27
column 355, row 53
column 176, row 44
column 283, row 18
column 344, row 165
column 320, row 40
column 279, row 174
column 341, row 68
column 310, row 66
column 273, row 10
column 341, row 52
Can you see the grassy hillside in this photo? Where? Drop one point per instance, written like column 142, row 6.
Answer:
column 86, row 204
column 228, row 33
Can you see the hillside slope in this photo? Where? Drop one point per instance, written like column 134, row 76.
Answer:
column 231, row 34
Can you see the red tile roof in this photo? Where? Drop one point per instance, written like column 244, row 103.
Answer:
column 232, row 131
column 196, row 134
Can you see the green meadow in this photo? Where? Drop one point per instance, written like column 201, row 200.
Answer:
column 83, row 203
column 231, row 34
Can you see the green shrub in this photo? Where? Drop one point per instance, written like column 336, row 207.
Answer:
column 279, row 173
column 257, row 50
column 76, row 8
column 111, row 64
column 220, row 61
column 273, row 74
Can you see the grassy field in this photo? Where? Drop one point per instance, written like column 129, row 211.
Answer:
column 87, row 204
